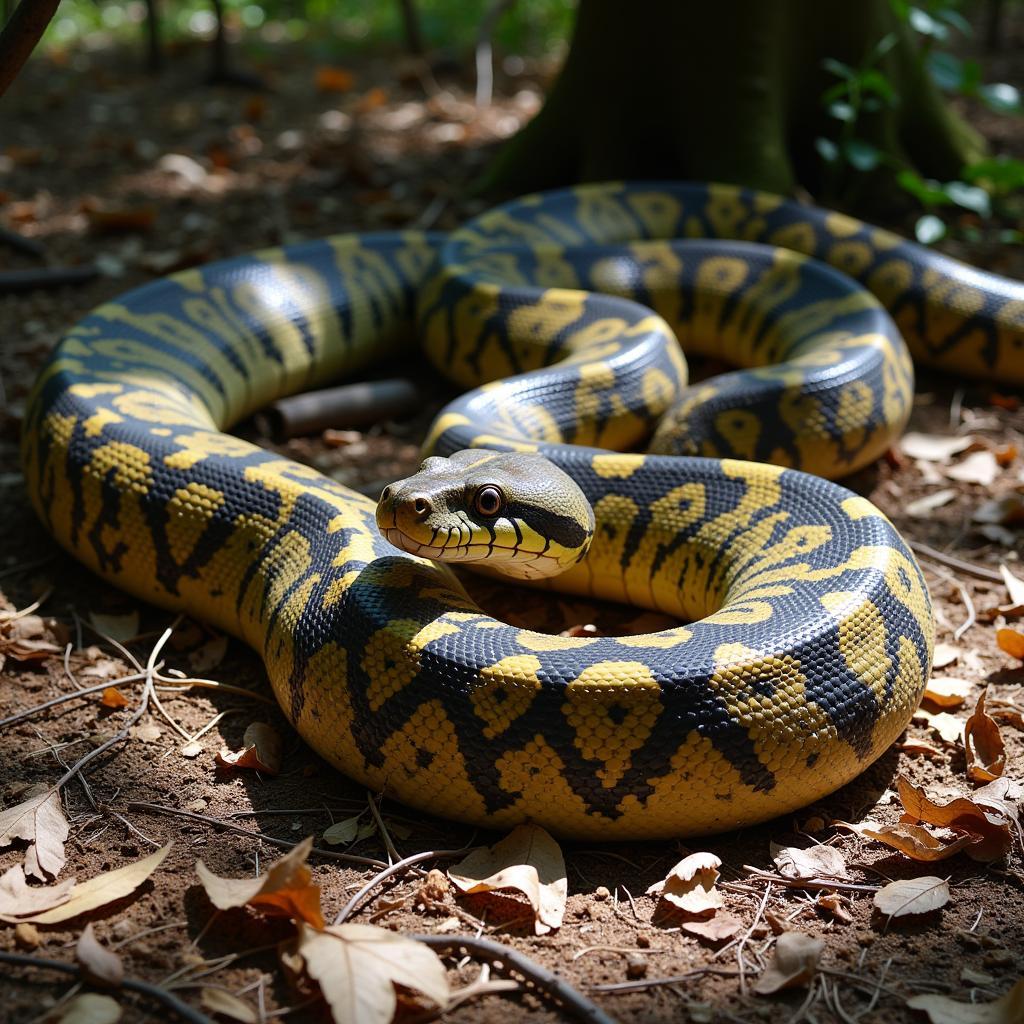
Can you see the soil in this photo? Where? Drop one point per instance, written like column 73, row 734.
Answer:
column 86, row 172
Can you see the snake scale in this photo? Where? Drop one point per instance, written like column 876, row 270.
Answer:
column 807, row 634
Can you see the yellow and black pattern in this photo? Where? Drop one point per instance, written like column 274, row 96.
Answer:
column 809, row 631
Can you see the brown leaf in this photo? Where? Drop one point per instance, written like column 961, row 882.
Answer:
column 690, row 885
column 989, row 824
column 261, row 750
column 40, row 821
column 1011, row 641
column 112, row 697
column 814, row 862
column 912, row 896
column 914, row 747
column 1005, row 511
column 949, row 727
column 1009, row 1009
column 913, row 840
column 18, row 898
column 983, row 745
column 330, row 79
column 720, row 928
column 101, row 890
column 946, row 692
column 528, row 860
column 286, row 890
column 106, row 220
column 836, row 905
column 99, row 965
column 795, row 962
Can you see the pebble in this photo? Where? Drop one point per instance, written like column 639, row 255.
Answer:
column 601, row 892
column 636, row 966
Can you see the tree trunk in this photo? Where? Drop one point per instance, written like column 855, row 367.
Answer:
column 727, row 92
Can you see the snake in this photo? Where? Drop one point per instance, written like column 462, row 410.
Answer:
column 576, row 446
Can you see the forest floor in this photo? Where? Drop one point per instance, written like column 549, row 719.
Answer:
column 142, row 175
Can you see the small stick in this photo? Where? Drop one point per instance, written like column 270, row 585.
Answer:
column 545, row 981
column 348, row 858
column 807, row 883
column 65, row 697
column 18, row 241
column 952, row 562
column 676, row 979
column 162, row 996
column 49, row 277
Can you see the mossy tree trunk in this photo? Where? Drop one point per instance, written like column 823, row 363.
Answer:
column 728, row 92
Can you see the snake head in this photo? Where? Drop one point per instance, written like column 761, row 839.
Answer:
column 516, row 512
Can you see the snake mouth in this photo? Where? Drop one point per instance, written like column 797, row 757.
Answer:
column 472, row 551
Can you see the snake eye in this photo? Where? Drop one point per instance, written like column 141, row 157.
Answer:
column 488, row 501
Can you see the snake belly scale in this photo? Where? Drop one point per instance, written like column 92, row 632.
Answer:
column 808, row 630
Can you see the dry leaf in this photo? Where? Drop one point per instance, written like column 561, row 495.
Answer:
column 40, row 821
column 814, row 862
column 690, row 885
column 942, row 1010
column 149, row 732
column 795, row 961
column 90, row 1008
column 836, row 905
column 913, row 840
column 218, row 1000
column 358, row 966
column 977, row 817
column 528, row 860
column 912, row 896
column 286, row 890
column 1015, row 589
column 983, row 745
column 914, row 747
column 946, row 692
column 1005, row 511
column 103, row 889
column 112, row 697
column 978, row 468
column 718, row 929
column 98, row 964
column 933, row 447
column 1011, row 641
column 945, row 654
column 929, row 503
column 261, row 750
column 949, row 727
column 118, row 627
column 18, row 898
column 210, row 655
column 348, row 831
column 334, row 80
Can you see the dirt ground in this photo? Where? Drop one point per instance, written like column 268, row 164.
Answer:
column 101, row 163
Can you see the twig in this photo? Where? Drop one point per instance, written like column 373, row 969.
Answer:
column 162, row 996
column 26, row 566
column 385, row 835
column 484, row 56
column 544, row 981
column 807, row 883
column 746, row 937
column 389, row 872
column 286, row 844
column 676, row 979
column 18, row 241
column 65, row 697
column 952, row 562
column 44, row 277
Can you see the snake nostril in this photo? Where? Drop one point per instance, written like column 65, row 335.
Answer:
column 421, row 507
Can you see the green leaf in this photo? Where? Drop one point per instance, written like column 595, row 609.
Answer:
column 923, row 23
column 954, row 19
column 901, row 9
column 928, row 229
column 1003, row 173
column 970, row 197
column 875, row 81
column 1001, row 97
column 946, row 70
column 838, row 68
column 827, row 150
column 926, row 190
column 842, row 111
column 862, row 155
column 883, row 46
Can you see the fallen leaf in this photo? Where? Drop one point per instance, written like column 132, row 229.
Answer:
column 978, row 468
column 974, row 977
column 794, row 963
column 261, row 750
column 946, row 692
column 929, row 503
column 1011, row 641
column 945, row 654
column 90, row 1008
column 1009, row 1009
column 912, row 896
column 210, row 655
column 358, row 966
column 101, row 890
column 948, row 726
column 218, row 1000
column 983, row 745
column 118, row 627
column 18, row 898
column 714, row 931
column 976, row 817
column 191, row 750
column 40, row 821
column 913, row 840
column 690, row 885
column 814, row 862
column 1014, row 587
column 112, row 697
column 98, row 964
column 348, row 831
column 330, row 79
column 933, row 447
column 920, row 747
column 528, row 860
column 148, row 732
column 372, row 100
column 1005, row 511
column 286, row 890
column 836, row 905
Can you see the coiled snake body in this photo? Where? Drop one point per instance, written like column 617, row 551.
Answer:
column 809, row 630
